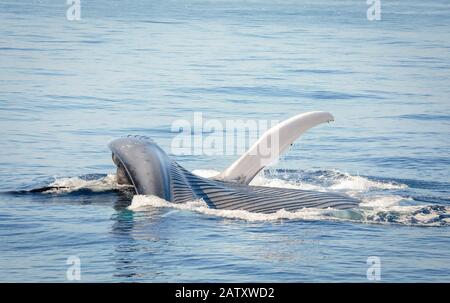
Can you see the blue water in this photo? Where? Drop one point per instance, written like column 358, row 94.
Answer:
column 69, row 87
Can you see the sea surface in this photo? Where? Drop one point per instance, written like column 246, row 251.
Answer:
column 67, row 88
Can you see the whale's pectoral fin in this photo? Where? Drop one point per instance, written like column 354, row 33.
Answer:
column 272, row 144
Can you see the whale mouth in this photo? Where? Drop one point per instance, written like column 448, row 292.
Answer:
column 123, row 177
column 142, row 163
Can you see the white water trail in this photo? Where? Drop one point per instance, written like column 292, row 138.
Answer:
column 375, row 208
column 73, row 184
column 379, row 203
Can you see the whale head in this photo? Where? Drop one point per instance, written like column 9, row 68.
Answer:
column 142, row 163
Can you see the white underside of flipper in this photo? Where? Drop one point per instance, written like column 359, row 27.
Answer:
column 271, row 145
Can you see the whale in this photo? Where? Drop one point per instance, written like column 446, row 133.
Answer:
column 144, row 165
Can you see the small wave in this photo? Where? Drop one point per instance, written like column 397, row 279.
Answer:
column 141, row 202
column 390, row 212
column 331, row 180
column 358, row 183
column 376, row 208
column 431, row 215
column 381, row 203
column 344, row 182
column 90, row 182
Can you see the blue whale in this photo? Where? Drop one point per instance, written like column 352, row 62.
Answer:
column 142, row 163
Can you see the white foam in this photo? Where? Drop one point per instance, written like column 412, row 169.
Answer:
column 260, row 180
column 375, row 208
column 142, row 202
column 67, row 185
column 344, row 182
column 381, row 202
column 358, row 183
column 394, row 214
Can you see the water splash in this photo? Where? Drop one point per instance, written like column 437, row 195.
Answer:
column 90, row 182
column 381, row 203
column 322, row 180
column 431, row 215
column 375, row 208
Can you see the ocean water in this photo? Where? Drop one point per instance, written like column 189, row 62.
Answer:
column 67, row 88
